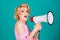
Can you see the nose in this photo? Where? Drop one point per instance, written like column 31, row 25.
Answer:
column 26, row 13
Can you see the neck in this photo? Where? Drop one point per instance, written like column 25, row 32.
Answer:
column 22, row 21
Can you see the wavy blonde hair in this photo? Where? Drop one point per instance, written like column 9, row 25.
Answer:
column 18, row 8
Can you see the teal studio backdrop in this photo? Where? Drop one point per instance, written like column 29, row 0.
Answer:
column 37, row 8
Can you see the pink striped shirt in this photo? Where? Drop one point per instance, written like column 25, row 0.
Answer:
column 25, row 35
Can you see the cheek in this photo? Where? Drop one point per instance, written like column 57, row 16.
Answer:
column 28, row 14
column 22, row 15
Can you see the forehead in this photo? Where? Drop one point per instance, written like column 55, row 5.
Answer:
column 23, row 8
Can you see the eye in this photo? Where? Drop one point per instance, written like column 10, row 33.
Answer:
column 22, row 11
column 27, row 11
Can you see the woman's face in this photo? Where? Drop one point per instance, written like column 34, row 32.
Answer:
column 23, row 13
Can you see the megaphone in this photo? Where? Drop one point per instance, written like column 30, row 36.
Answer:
column 48, row 18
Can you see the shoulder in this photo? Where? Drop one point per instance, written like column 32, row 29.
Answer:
column 19, row 27
column 18, row 24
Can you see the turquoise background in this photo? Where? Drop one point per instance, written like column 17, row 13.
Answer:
column 37, row 7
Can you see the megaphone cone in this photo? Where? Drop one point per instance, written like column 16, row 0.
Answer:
column 44, row 18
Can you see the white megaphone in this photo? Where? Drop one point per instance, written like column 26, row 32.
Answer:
column 48, row 18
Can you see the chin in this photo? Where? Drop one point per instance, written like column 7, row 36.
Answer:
column 25, row 20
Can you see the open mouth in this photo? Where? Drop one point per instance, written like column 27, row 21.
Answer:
column 25, row 16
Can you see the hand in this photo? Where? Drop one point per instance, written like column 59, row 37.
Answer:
column 37, row 26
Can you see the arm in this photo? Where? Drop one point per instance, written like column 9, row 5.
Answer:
column 36, row 34
column 35, row 30
column 19, row 28
column 21, row 34
column 33, row 33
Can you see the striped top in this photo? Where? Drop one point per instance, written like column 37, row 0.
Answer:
column 25, row 35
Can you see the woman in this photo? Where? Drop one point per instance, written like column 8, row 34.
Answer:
column 22, row 31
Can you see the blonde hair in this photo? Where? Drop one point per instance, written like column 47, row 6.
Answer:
column 18, row 8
